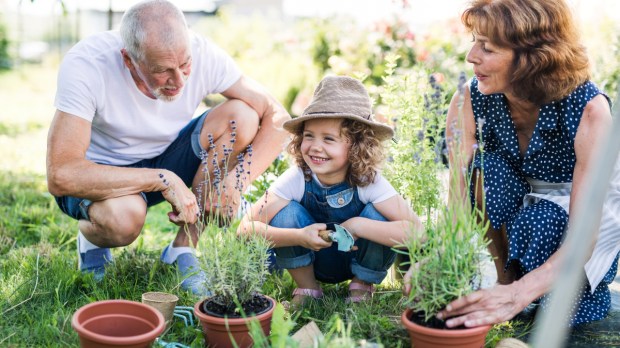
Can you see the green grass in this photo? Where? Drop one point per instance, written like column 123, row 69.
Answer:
column 41, row 287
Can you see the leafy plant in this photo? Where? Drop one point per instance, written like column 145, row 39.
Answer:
column 447, row 263
column 341, row 47
column 415, row 104
column 236, row 267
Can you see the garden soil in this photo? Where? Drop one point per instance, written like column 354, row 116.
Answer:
column 256, row 305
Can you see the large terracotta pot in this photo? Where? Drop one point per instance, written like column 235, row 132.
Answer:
column 117, row 323
column 424, row 337
column 218, row 331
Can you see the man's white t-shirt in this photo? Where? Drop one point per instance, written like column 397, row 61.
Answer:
column 127, row 126
column 291, row 186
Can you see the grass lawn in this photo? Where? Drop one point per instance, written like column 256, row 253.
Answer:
column 41, row 287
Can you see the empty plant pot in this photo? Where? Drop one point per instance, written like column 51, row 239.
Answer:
column 163, row 302
column 117, row 323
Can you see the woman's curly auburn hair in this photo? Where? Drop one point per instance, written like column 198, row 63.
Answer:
column 549, row 62
column 366, row 152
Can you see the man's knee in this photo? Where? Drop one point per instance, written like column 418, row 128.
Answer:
column 120, row 220
column 240, row 113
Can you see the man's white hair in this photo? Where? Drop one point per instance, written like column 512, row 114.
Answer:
column 155, row 19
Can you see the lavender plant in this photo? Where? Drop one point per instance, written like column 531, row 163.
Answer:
column 447, row 263
column 236, row 267
column 416, row 105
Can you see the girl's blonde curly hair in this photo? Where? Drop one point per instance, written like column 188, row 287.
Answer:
column 366, row 152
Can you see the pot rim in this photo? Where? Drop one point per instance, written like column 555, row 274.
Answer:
column 151, row 335
column 160, row 297
column 440, row 332
column 232, row 321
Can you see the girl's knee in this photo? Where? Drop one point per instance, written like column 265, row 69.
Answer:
column 370, row 212
column 293, row 215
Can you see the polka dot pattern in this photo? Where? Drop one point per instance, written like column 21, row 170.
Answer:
column 534, row 232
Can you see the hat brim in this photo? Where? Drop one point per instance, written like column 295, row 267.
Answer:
column 381, row 131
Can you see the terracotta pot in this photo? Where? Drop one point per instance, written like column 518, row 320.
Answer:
column 218, row 331
column 425, row 337
column 117, row 323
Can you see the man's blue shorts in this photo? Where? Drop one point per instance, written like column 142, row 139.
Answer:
column 182, row 157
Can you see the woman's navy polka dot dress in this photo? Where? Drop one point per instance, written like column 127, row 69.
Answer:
column 534, row 232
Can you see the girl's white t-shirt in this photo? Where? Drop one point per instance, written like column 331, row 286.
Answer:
column 291, row 185
column 127, row 126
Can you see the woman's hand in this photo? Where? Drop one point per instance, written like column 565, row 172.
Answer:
column 407, row 281
column 310, row 238
column 483, row 307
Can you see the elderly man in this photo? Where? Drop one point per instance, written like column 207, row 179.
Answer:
column 124, row 138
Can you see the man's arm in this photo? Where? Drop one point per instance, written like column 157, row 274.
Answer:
column 270, row 138
column 69, row 173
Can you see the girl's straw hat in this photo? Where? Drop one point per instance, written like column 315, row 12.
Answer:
column 340, row 97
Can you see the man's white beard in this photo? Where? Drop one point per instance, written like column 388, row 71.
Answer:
column 166, row 98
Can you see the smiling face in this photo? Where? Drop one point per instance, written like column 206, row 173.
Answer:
column 163, row 72
column 325, row 150
column 493, row 65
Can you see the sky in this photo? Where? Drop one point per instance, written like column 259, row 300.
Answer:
column 365, row 10
column 421, row 14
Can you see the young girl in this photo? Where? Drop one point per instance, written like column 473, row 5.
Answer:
column 337, row 148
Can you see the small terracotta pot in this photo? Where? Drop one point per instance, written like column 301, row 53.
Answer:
column 425, row 337
column 163, row 302
column 218, row 331
column 117, row 323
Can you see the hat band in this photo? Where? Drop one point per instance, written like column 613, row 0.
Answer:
column 334, row 113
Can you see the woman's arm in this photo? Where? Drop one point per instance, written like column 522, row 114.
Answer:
column 503, row 302
column 460, row 140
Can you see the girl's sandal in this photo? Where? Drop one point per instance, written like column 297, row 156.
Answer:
column 369, row 290
column 313, row 293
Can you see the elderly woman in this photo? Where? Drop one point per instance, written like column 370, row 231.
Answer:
column 539, row 118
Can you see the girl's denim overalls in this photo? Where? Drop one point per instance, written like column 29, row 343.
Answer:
column 334, row 204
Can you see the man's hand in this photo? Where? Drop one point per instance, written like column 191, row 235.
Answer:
column 181, row 198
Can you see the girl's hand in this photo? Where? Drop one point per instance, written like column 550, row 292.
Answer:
column 484, row 307
column 310, row 238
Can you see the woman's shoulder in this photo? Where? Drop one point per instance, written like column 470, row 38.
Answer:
column 583, row 94
column 575, row 105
